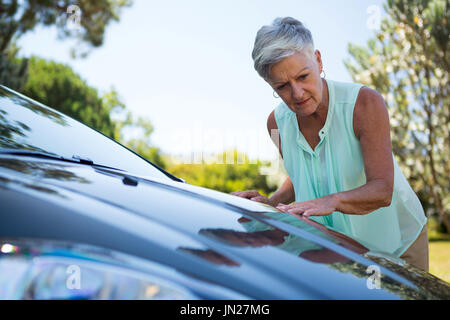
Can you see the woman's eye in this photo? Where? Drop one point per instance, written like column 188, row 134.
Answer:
column 303, row 76
column 281, row 87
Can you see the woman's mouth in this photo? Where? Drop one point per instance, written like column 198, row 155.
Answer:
column 304, row 101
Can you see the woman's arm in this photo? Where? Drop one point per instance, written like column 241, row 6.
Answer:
column 285, row 194
column 371, row 127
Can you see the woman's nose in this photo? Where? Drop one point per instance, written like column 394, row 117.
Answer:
column 297, row 93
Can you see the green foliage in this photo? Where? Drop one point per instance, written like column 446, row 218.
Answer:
column 57, row 86
column 408, row 63
column 19, row 17
column 240, row 174
column 436, row 232
column 13, row 71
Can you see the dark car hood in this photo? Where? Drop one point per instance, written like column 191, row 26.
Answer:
column 201, row 232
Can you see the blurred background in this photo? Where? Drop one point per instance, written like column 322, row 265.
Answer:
column 174, row 81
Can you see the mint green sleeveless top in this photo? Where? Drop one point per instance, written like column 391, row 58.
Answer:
column 336, row 165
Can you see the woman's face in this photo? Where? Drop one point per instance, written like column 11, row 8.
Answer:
column 296, row 79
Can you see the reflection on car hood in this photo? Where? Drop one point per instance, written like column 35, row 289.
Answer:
column 247, row 246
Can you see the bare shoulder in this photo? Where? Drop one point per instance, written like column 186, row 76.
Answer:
column 370, row 112
column 271, row 122
column 274, row 135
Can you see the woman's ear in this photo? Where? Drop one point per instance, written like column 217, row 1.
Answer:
column 318, row 60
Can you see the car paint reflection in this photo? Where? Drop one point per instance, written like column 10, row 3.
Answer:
column 40, row 169
column 210, row 256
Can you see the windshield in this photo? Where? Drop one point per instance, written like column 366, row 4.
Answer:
column 28, row 125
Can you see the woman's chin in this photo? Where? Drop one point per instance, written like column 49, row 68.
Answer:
column 304, row 111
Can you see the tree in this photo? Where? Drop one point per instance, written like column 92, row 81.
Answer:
column 13, row 71
column 19, row 17
column 408, row 63
column 57, row 86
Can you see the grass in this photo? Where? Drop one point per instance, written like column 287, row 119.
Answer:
column 440, row 259
column 439, row 251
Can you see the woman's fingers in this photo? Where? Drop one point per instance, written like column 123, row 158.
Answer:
column 317, row 207
column 285, row 207
column 253, row 195
column 311, row 212
column 297, row 210
column 260, row 199
column 293, row 208
column 246, row 194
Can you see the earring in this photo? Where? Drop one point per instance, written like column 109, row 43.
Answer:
column 324, row 74
column 274, row 95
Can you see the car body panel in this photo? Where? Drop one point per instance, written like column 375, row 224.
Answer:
column 79, row 203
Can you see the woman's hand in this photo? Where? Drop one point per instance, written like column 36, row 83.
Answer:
column 317, row 207
column 252, row 195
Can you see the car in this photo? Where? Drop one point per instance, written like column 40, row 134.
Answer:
column 83, row 217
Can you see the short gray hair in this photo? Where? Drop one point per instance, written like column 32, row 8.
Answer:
column 284, row 37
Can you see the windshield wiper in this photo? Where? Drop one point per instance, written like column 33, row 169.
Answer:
column 48, row 155
column 75, row 159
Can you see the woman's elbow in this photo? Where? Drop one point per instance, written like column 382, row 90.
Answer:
column 387, row 201
column 388, row 190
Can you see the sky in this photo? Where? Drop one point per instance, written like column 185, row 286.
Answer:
column 186, row 65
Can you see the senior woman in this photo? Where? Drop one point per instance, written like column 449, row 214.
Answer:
column 334, row 138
